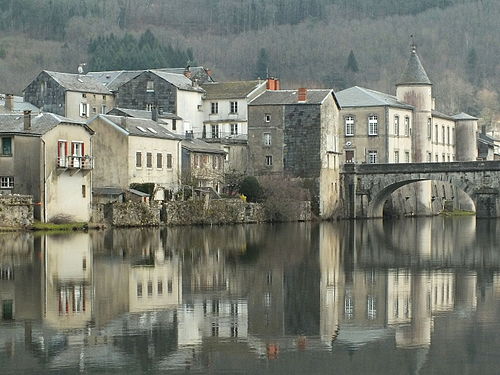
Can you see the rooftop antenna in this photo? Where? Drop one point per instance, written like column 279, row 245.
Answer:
column 80, row 68
column 413, row 46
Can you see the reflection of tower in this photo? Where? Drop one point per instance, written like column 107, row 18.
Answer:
column 423, row 239
column 415, row 88
column 465, row 295
column 329, row 255
column 418, row 334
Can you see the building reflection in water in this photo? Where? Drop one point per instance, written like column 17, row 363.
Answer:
column 185, row 297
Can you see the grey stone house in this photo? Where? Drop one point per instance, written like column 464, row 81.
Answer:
column 75, row 96
column 295, row 132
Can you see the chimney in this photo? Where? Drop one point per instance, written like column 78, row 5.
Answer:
column 302, row 94
column 27, row 120
column 9, row 102
column 187, row 72
column 154, row 114
column 123, row 121
column 189, row 134
column 273, row 84
column 433, row 105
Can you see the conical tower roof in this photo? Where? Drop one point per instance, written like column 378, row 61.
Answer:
column 414, row 73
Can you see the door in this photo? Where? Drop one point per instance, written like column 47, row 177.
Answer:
column 7, row 310
column 77, row 153
column 349, row 156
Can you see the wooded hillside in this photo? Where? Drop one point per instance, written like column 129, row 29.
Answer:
column 320, row 43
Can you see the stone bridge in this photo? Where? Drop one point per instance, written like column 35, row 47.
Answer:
column 366, row 187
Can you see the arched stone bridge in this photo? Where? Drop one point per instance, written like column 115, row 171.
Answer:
column 366, row 187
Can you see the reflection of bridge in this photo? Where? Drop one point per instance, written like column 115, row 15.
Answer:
column 366, row 187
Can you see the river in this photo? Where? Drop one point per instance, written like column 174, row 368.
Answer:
column 413, row 296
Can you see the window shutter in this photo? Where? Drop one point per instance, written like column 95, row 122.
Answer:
column 83, row 149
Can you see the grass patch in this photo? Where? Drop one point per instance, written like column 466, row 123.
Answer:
column 39, row 226
column 457, row 213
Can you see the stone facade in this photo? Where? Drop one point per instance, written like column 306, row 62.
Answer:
column 44, row 92
column 132, row 214
column 16, row 211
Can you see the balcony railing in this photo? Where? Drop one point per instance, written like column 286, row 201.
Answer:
column 219, row 135
column 75, row 162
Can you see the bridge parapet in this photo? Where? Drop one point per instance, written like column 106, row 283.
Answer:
column 405, row 168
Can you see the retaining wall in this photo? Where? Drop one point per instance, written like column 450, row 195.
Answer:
column 16, row 211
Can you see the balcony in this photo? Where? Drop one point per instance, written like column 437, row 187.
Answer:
column 209, row 136
column 75, row 162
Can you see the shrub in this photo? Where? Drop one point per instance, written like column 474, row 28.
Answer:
column 251, row 188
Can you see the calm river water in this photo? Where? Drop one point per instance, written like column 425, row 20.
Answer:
column 415, row 296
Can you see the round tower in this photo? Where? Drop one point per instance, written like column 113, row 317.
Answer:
column 465, row 137
column 415, row 88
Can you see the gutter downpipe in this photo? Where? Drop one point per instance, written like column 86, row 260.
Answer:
column 44, row 181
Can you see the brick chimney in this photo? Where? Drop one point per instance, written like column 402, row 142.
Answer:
column 27, row 120
column 273, row 84
column 9, row 102
column 302, row 94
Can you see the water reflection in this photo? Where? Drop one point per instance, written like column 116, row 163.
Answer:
column 258, row 299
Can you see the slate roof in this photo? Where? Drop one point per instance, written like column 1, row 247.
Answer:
column 140, row 113
column 463, row 116
column 414, row 72
column 287, row 97
column 78, row 82
column 40, row 124
column 197, row 145
column 114, row 79
column 178, row 80
column 441, row 115
column 362, row 97
column 230, row 90
column 132, row 126
column 19, row 105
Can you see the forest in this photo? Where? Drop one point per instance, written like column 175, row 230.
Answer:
column 314, row 43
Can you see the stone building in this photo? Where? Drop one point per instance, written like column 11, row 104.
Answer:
column 295, row 132
column 49, row 157
column 140, row 151
column 75, row 96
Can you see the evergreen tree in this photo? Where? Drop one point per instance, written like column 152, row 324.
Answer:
column 352, row 64
column 471, row 66
column 262, row 66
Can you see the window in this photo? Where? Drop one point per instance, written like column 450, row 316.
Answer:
column 139, row 289
column 84, row 191
column 215, row 130
column 83, row 110
column 104, row 97
column 138, row 159
column 267, row 139
column 6, row 182
column 77, row 153
column 429, row 157
column 267, row 117
column 84, row 95
column 436, row 136
column 234, row 129
column 429, row 128
column 348, row 307
column 407, row 126
column 94, row 110
column 372, row 157
column 234, row 107
column 443, row 158
column 396, row 156
column 149, row 107
column 160, row 287
column 150, row 86
column 372, row 125
column 159, row 161
column 174, row 124
column 269, row 160
column 436, row 158
column 103, row 109
column 448, row 134
column 149, row 160
column 169, row 286
column 407, row 156
column 7, row 146
column 371, row 307
column 443, row 135
column 214, row 108
column 169, row 161
column 349, row 125
column 150, row 288
column 396, row 126
column 226, row 150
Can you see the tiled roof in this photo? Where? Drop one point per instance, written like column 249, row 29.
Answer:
column 178, row 80
column 197, row 145
column 287, row 97
column 40, row 124
column 362, row 97
column 441, row 115
column 19, row 105
column 78, row 82
column 414, row 72
column 463, row 116
column 114, row 79
column 230, row 90
column 140, row 127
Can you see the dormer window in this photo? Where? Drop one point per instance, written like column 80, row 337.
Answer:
column 150, row 86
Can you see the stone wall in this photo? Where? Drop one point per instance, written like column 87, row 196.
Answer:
column 132, row 214
column 212, row 212
column 16, row 211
